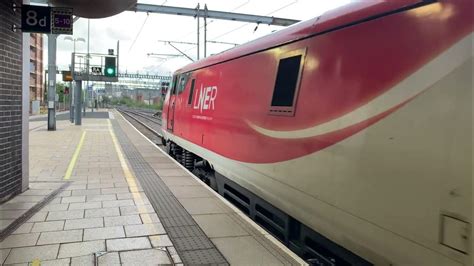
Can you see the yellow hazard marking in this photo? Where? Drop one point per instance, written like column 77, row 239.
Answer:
column 36, row 262
column 72, row 163
column 130, row 177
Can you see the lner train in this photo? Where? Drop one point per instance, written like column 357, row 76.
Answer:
column 347, row 136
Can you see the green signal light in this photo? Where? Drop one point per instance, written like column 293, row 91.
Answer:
column 110, row 66
column 110, row 71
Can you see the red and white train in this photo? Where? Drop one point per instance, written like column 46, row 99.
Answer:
column 348, row 136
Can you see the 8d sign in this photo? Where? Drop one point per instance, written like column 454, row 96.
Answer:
column 36, row 19
column 43, row 19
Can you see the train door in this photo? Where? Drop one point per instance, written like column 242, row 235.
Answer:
column 171, row 106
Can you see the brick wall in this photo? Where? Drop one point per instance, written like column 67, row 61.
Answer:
column 10, row 102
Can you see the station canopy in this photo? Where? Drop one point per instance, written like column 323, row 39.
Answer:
column 95, row 8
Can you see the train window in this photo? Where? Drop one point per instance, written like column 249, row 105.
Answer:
column 183, row 79
column 191, row 92
column 287, row 83
column 173, row 86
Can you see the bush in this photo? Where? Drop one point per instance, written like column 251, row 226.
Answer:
column 127, row 101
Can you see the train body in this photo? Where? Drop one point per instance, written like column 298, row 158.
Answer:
column 357, row 125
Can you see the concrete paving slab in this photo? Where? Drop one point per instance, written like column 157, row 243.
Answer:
column 190, row 192
column 84, row 223
column 48, row 226
column 73, row 199
column 129, row 210
column 24, row 228
column 85, row 205
column 57, row 237
column 160, row 241
column 180, row 181
column 21, row 240
column 148, row 218
column 28, row 254
column 144, row 257
column 91, row 198
column 87, row 260
column 110, row 258
column 122, row 220
column 17, row 206
column 103, row 212
column 103, row 233
column 64, row 215
column 55, row 207
column 219, row 225
column 203, row 206
column 3, row 255
column 81, row 248
column 118, row 203
column 11, row 214
column 38, row 217
column 244, row 250
column 59, row 262
column 144, row 229
column 128, row 243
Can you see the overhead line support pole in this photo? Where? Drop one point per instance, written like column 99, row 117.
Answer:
column 205, row 30
column 197, row 17
column 52, row 81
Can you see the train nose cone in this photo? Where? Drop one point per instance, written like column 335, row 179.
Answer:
column 95, row 8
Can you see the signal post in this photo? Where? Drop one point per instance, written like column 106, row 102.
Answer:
column 91, row 67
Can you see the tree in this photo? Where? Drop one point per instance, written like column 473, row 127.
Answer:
column 60, row 91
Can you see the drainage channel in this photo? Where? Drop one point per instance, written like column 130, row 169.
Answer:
column 32, row 211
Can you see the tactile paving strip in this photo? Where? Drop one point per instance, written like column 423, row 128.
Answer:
column 193, row 246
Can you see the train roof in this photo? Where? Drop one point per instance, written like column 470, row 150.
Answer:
column 340, row 17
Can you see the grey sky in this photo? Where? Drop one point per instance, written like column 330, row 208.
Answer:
column 104, row 33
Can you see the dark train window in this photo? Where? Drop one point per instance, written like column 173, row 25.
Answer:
column 182, row 80
column 191, row 92
column 173, row 89
column 286, row 81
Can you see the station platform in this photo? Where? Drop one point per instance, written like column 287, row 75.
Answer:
column 103, row 194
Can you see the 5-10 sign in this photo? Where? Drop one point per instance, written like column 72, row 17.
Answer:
column 44, row 19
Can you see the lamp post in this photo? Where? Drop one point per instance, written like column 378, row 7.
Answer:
column 74, row 40
column 71, row 92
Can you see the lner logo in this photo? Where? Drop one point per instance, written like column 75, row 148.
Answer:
column 206, row 99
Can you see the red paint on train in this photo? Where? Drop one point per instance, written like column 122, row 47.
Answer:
column 343, row 70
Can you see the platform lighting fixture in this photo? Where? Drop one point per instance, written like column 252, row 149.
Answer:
column 74, row 40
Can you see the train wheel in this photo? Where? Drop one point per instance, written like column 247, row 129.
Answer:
column 188, row 160
column 168, row 147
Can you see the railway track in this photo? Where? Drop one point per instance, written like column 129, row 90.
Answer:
column 145, row 123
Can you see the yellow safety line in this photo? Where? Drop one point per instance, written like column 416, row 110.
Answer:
column 72, row 163
column 132, row 183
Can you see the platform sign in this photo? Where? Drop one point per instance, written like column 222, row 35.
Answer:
column 61, row 20
column 96, row 70
column 36, row 19
column 45, row 19
column 67, row 75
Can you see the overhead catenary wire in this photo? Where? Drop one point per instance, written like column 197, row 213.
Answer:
column 246, row 24
column 211, row 21
column 238, row 28
column 139, row 31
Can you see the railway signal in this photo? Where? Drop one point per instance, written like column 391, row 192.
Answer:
column 110, row 67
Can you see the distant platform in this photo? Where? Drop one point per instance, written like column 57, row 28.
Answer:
column 65, row 116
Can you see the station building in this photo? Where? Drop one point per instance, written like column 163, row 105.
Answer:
column 14, row 102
